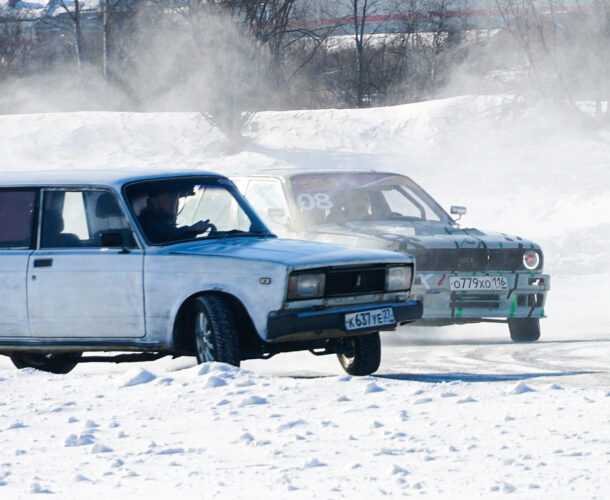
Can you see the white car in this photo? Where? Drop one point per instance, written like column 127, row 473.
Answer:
column 464, row 275
column 179, row 264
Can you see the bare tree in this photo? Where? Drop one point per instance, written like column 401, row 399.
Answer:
column 66, row 16
column 268, row 21
column 193, row 56
column 403, row 50
column 430, row 41
column 285, row 29
column 601, row 42
column 18, row 40
column 349, row 70
column 360, row 10
column 111, row 13
column 565, row 48
column 14, row 46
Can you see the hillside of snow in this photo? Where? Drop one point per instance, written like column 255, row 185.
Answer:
column 527, row 170
column 455, row 412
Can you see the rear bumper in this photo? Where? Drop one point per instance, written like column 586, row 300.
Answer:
column 333, row 320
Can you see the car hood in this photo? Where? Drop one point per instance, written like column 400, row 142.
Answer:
column 435, row 246
column 425, row 235
column 292, row 253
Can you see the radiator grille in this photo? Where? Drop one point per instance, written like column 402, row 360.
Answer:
column 355, row 281
column 468, row 259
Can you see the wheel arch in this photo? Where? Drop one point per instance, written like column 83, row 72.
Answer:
column 183, row 342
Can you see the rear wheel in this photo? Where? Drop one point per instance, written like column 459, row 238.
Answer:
column 362, row 354
column 215, row 333
column 524, row 329
column 60, row 363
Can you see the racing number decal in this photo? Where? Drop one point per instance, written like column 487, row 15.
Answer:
column 311, row 201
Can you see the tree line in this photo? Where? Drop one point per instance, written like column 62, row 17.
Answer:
column 228, row 58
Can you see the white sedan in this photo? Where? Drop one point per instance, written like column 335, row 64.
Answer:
column 179, row 264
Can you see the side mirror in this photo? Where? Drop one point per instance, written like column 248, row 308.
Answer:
column 276, row 213
column 113, row 240
column 279, row 216
column 456, row 210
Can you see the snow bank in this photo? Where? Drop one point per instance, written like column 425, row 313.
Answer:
column 136, row 377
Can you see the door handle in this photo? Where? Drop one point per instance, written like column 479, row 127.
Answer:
column 43, row 262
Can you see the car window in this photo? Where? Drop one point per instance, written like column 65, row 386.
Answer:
column 74, row 215
column 192, row 208
column 352, row 197
column 214, row 204
column 16, row 218
column 265, row 196
column 406, row 202
column 79, row 218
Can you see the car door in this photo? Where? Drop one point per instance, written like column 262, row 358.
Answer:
column 17, row 218
column 77, row 287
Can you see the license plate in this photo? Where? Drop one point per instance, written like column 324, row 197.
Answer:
column 370, row 319
column 459, row 283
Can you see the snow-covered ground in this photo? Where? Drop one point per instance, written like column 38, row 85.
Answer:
column 453, row 412
column 215, row 431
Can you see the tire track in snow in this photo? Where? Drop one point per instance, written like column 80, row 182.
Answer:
column 545, row 360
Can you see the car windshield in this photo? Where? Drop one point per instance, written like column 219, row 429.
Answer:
column 181, row 209
column 338, row 198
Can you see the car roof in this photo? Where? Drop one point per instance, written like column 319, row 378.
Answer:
column 287, row 173
column 101, row 177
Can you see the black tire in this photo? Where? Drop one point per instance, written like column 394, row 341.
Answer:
column 214, row 330
column 60, row 363
column 524, row 329
column 362, row 354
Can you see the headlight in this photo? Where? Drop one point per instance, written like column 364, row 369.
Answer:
column 398, row 278
column 531, row 259
column 306, row 286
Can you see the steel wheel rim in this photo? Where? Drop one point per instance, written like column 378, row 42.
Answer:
column 349, row 356
column 204, row 336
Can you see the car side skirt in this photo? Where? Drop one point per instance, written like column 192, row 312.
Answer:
column 8, row 345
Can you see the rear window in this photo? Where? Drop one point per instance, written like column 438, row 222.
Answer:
column 16, row 218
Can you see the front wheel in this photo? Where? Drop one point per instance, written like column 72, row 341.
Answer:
column 60, row 363
column 524, row 329
column 215, row 333
column 362, row 354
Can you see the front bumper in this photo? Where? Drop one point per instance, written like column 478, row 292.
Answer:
column 525, row 297
column 330, row 323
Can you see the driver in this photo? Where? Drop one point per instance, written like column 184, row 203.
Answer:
column 158, row 219
column 355, row 205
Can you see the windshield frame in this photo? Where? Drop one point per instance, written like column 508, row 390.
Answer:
column 206, row 180
column 444, row 217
